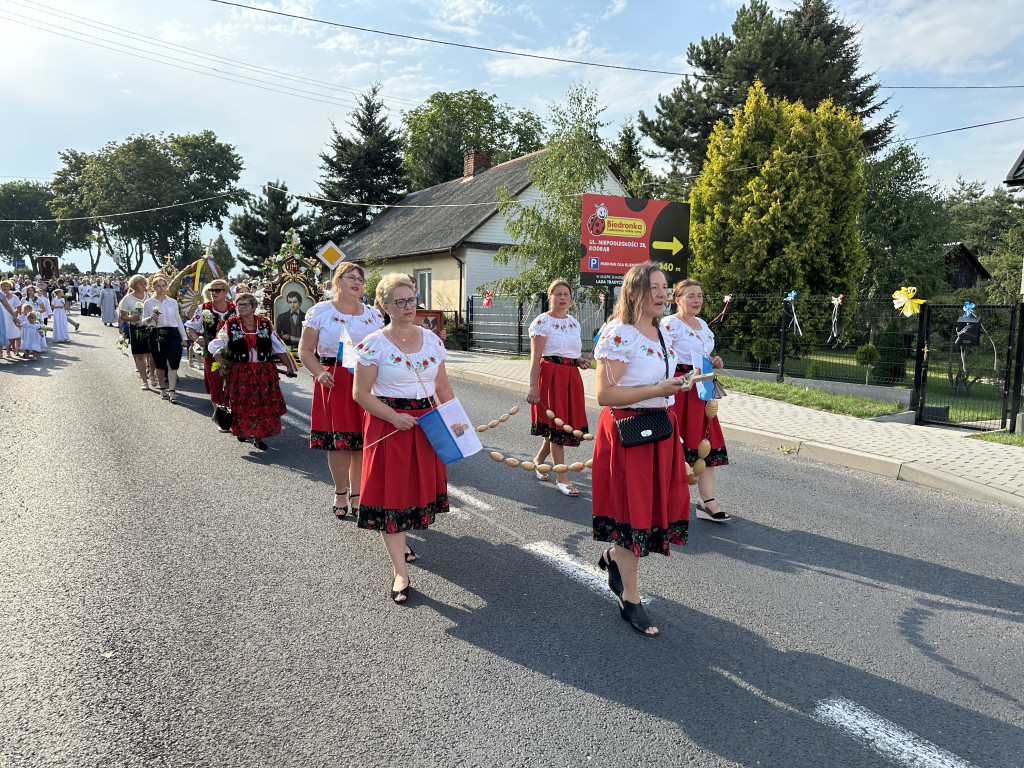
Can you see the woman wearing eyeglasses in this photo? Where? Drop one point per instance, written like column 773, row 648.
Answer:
column 401, row 370
column 330, row 332
column 201, row 330
column 245, row 347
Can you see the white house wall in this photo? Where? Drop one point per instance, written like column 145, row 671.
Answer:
column 480, row 266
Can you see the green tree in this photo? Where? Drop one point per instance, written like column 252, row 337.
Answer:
column 983, row 222
column 809, row 55
column 629, row 159
column 547, row 232
column 259, row 229
column 1005, row 264
column 364, row 174
column 70, row 206
column 438, row 133
column 36, row 235
column 902, row 225
column 788, row 219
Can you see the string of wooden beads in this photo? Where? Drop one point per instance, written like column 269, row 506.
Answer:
column 529, row 466
column 577, row 433
column 500, row 420
column 703, row 447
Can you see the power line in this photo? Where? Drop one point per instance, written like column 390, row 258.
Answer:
column 122, row 32
column 229, row 77
column 116, row 215
column 542, row 57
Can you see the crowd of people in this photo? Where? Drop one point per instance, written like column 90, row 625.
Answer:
column 376, row 370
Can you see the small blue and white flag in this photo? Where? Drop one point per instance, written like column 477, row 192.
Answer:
column 450, row 432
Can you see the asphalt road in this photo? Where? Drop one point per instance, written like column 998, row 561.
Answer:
column 171, row 597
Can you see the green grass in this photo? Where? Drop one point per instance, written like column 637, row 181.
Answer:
column 1000, row 437
column 851, row 405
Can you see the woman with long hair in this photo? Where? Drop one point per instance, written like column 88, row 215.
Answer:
column 556, row 358
column 692, row 338
column 327, row 349
column 401, row 375
column 638, row 490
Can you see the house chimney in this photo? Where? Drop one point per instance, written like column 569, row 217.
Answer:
column 475, row 161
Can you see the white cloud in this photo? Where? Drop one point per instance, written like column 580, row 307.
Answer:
column 577, row 46
column 617, row 7
column 461, row 17
column 946, row 37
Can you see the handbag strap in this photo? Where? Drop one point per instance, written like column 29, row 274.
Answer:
column 664, row 349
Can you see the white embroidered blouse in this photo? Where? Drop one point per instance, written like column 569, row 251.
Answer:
column 645, row 361
column 562, row 335
column 400, row 374
column 687, row 341
column 336, row 328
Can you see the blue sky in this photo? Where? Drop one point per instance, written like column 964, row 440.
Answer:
column 60, row 93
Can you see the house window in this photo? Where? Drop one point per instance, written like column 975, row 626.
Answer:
column 423, row 286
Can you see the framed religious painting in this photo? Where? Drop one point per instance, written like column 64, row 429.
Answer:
column 432, row 320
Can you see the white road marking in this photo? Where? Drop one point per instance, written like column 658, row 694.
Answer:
column 886, row 738
column 588, row 575
column 301, row 424
column 466, row 498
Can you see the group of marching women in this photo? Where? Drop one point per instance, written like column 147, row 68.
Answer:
column 27, row 313
column 238, row 347
column 372, row 380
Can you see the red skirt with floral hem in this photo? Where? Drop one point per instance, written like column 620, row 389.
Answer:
column 694, row 426
column 561, row 391
column 404, row 483
column 214, row 382
column 336, row 421
column 253, row 392
column 639, row 495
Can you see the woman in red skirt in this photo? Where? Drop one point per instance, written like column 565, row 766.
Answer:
column 637, row 491
column 201, row 330
column 401, row 369
column 691, row 338
column 245, row 348
column 327, row 350
column 555, row 382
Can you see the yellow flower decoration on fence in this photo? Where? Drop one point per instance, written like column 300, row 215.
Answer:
column 904, row 301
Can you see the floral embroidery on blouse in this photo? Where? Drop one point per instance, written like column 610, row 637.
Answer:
column 615, row 339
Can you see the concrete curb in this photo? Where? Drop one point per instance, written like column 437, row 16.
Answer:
column 910, row 472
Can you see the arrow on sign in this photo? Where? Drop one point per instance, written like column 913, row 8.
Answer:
column 675, row 246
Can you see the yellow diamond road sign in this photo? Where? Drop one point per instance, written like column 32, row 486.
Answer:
column 330, row 254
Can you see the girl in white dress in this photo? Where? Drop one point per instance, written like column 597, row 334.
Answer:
column 60, row 317
column 31, row 335
column 10, row 312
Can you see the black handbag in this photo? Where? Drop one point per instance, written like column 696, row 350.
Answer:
column 647, row 426
column 222, row 417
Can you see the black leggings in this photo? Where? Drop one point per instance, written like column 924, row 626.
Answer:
column 165, row 346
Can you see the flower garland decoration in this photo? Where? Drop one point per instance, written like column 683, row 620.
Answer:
column 837, row 302
column 904, row 301
column 721, row 315
column 794, row 323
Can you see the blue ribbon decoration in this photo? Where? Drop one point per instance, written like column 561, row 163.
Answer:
column 793, row 323
column 969, row 309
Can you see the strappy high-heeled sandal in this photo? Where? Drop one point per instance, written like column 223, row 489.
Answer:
column 395, row 593
column 614, row 577
column 339, row 512
column 410, row 556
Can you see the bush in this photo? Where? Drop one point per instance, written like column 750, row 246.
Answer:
column 867, row 356
column 891, row 368
column 457, row 334
column 813, row 370
column 761, row 352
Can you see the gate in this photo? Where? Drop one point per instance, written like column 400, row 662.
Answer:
column 968, row 371
column 500, row 327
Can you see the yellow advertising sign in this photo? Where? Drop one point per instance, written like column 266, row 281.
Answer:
column 620, row 227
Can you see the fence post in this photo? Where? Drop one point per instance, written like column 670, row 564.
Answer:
column 519, row 331
column 782, row 346
column 917, row 398
column 1018, row 371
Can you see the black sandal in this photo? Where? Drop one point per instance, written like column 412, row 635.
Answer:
column 173, row 396
column 395, row 593
column 410, row 556
column 706, row 514
column 260, row 445
column 614, row 577
column 339, row 512
column 635, row 615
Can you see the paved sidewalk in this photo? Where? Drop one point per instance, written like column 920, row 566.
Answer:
column 939, row 458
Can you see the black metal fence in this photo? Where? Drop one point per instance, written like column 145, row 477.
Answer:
column 504, row 326
column 969, row 368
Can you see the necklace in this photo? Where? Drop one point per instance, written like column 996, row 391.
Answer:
column 397, row 342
